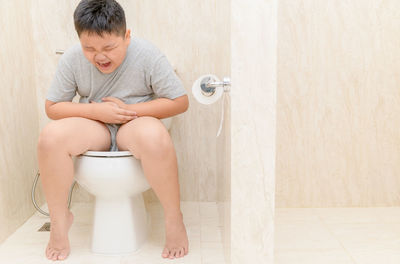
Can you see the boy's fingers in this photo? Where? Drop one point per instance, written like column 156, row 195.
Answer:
column 125, row 118
column 127, row 112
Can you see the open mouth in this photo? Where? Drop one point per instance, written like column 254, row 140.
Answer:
column 104, row 65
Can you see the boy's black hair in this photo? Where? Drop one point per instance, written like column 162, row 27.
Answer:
column 99, row 16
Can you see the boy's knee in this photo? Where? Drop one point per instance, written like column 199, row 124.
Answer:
column 155, row 139
column 146, row 136
column 51, row 136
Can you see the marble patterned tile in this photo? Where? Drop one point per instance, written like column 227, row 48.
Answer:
column 350, row 215
column 338, row 103
column 212, row 253
column 19, row 124
column 387, row 256
column 304, row 235
column 325, row 256
column 210, row 233
column 365, row 235
column 253, row 126
column 208, row 210
column 283, row 215
column 387, row 214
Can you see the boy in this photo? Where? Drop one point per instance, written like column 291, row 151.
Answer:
column 126, row 85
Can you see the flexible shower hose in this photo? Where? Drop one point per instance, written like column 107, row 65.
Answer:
column 34, row 199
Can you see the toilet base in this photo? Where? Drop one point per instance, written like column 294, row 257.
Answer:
column 120, row 225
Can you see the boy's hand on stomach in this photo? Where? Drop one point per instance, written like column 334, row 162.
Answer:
column 111, row 113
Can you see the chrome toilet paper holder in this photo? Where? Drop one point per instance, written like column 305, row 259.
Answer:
column 208, row 85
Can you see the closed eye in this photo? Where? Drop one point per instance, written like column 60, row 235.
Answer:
column 89, row 49
column 108, row 48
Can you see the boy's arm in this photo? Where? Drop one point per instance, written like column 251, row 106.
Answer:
column 60, row 110
column 159, row 108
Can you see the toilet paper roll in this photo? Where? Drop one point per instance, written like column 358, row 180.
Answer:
column 203, row 99
column 200, row 97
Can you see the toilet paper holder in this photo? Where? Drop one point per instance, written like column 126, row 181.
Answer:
column 208, row 85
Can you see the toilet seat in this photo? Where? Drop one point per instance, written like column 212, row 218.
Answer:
column 107, row 154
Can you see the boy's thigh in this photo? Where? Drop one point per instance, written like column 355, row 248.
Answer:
column 141, row 134
column 76, row 135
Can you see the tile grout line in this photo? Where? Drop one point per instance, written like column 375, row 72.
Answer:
column 331, row 232
column 201, row 228
column 201, row 224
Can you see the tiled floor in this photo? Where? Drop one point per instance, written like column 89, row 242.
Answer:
column 27, row 245
column 337, row 235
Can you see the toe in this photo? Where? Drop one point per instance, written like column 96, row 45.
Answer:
column 50, row 253
column 165, row 253
column 181, row 252
column 172, row 254
column 55, row 255
column 62, row 256
column 177, row 253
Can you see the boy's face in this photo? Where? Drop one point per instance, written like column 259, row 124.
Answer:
column 105, row 52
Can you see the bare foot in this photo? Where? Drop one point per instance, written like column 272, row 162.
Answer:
column 176, row 244
column 58, row 247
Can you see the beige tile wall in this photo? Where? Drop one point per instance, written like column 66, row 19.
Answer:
column 253, row 104
column 18, row 116
column 338, row 103
column 224, row 178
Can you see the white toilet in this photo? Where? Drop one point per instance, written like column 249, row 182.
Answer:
column 116, row 179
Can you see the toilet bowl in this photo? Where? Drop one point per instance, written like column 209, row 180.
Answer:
column 116, row 179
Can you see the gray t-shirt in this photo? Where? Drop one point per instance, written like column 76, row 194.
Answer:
column 145, row 74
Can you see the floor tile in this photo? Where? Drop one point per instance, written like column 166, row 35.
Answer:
column 212, row 253
column 210, row 233
column 384, row 256
column 366, row 237
column 304, row 235
column 27, row 245
column 337, row 235
column 208, row 210
column 321, row 256
column 348, row 215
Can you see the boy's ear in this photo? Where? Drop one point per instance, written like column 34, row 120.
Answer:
column 128, row 34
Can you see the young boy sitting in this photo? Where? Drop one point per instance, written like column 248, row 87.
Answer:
column 126, row 85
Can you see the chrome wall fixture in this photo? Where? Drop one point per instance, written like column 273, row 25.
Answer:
column 208, row 85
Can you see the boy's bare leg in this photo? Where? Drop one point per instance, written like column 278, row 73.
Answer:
column 58, row 142
column 148, row 140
